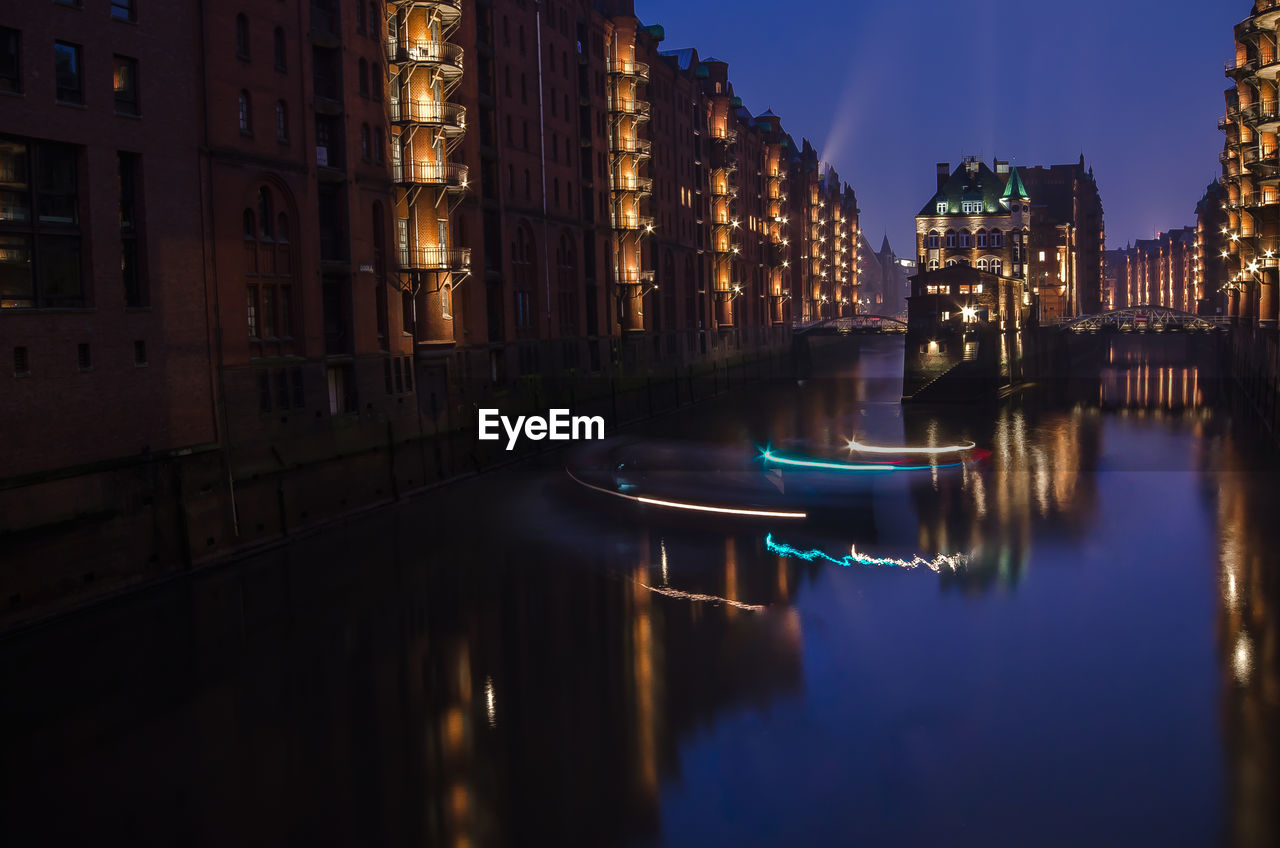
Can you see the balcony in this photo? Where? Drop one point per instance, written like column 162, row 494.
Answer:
column 634, row 277
column 632, row 223
column 638, row 109
column 455, row 259
column 630, row 70
column 724, row 136
column 1242, row 68
column 449, row 11
column 1262, row 116
column 450, row 117
column 443, row 56
column 637, row 185
column 631, row 147
column 450, row 176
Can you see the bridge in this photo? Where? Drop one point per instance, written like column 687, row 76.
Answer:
column 1141, row 319
column 851, row 324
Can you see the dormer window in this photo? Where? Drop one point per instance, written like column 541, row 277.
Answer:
column 972, row 207
column 942, row 207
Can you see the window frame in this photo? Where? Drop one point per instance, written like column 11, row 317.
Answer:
column 43, row 235
column 78, row 52
column 12, row 84
column 125, row 107
column 130, row 8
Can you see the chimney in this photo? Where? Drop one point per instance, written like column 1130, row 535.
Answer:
column 944, row 173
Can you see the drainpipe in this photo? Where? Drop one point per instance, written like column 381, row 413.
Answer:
column 542, row 150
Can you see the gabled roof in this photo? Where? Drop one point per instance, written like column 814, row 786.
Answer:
column 884, row 247
column 981, row 183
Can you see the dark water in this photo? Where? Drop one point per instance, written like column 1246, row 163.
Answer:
column 513, row 662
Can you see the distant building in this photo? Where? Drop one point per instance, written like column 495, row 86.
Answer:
column 1067, row 239
column 1212, row 255
column 979, row 217
column 885, row 279
column 1158, row 272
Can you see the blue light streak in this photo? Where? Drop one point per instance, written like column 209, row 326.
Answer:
column 770, row 456
column 954, row 562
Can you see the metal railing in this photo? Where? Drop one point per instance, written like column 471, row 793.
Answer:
column 434, row 112
column 631, row 222
column 436, row 259
column 634, row 108
column 429, row 173
column 635, row 146
column 640, row 70
column 443, row 53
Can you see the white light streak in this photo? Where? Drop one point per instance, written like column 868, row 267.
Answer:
column 859, row 447
column 705, row 599
column 719, row 510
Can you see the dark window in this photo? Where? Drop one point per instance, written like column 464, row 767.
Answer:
column 360, row 18
column 139, row 353
column 125, row 80
column 375, row 80
column 299, row 396
column 39, row 226
column 69, row 73
column 10, row 59
column 242, row 36
column 374, row 26
column 135, row 287
column 84, row 356
column 363, row 77
column 278, row 43
column 379, row 145
column 264, row 391
column 246, row 113
column 252, row 306
column 366, row 142
column 386, row 376
column 123, row 10
column 21, row 362
column 282, row 122
column 408, row 373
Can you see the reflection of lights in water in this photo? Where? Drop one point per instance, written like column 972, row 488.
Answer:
column 980, row 495
column 1242, row 658
column 720, row 510
column 490, row 702
column 705, row 599
column 662, row 544
column 859, row 447
column 954, row 562
column 1042, row 480
column 770, row 456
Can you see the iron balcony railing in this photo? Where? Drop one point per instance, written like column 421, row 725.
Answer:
column 448, row 175
column 637, row 70
column 1260, row 113
column 629, row 222
column 726, row 136
column 631, row 146
column 634, row 277
column 450, row 116
column 1242, row 67
column 446, row 9
column 436, row 259
column 639, row 185
column 445, row 55
column 639, row 109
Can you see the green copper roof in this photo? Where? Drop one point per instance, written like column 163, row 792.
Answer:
column 702, row 71
column 736, row 102
column 1014, row 188
column 656, row 32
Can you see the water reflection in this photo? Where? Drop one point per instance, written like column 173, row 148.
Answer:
column 564, row 681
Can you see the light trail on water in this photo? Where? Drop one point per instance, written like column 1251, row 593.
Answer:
column 938, row 564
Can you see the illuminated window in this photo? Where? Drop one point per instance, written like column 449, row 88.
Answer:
column 997, row 239
column 965, row 239
column 125, row 82
column 981, row 238
column 933, row 239
column 951, row 238
column 942, row 207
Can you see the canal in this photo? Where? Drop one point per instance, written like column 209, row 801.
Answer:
column 522, row 660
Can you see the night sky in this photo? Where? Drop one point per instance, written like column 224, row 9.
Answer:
column 886, row 89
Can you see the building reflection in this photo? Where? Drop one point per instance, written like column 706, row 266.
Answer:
column 1249, row 644
column 355, row 694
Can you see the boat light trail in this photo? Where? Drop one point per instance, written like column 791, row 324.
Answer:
column 862, row 467
column 692, row 507
column 953, row 562
column 705, row 599
column 859, row 447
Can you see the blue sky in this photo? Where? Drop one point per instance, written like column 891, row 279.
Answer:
column 885, row 89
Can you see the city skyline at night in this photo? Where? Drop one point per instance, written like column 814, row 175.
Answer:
column 884, row 98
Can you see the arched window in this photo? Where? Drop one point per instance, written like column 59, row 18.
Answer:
column 246, row 112
column 951, row 263
column 997, row 239
column 981, row 237
column 982, row 264
column 966, row 240
column 363, row 77
column 282, row 122
column 242, row 36
column 523, row 262
column 278, row 45
column 374, row 26
column 360, row 18
column 933, row 239
column 951, row 238
column 933, row 264
column 997, row 266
